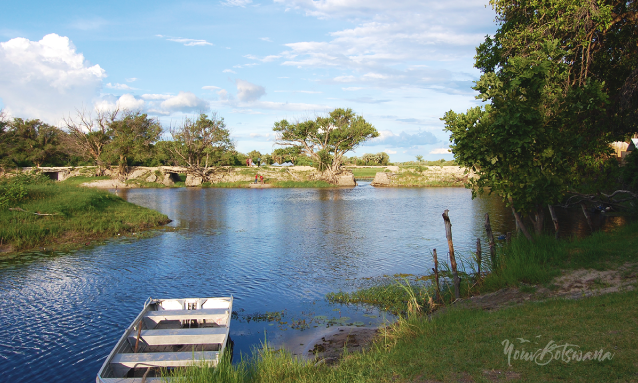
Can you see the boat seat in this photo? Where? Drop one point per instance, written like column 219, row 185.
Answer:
column 219, row 316
column 169, row 337
column 164, row 359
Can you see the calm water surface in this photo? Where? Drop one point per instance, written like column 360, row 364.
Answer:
column 274, row 250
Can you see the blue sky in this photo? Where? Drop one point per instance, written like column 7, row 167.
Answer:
column 401, row 65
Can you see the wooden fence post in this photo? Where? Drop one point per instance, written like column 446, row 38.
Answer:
column 508, row 237
column 478, row 257
column 448, row 234
column 554, row 219
column 436, row 276
column 490, row 239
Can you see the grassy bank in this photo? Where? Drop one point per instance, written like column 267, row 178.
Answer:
column 69, row 215
column 470, row 346
column 593, row 339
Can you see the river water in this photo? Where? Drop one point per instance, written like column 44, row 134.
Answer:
column 277, row 251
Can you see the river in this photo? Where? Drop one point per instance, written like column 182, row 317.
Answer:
column 277, row 251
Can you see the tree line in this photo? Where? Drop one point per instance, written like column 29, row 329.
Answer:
column 118, row 139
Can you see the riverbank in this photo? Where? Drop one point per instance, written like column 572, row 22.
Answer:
column 548, row 311
column 58, row 215
column 277, row 177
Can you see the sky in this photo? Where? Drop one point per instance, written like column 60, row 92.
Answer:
column 399, row 64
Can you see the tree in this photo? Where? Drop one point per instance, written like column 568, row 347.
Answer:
column 419, row 158
column 561, row 79
column 196, row 141
column 381, row 158
column 34, row 143
column 90, row 136
column 526, row 144
column 5, row 160
column 326, row 139
column 131, row 138
column 598, row 41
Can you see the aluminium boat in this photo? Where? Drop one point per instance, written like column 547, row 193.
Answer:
column 169, row 333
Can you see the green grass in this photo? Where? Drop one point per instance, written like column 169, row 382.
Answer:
column 365, row 172
column 469, row 345
column 80, row 215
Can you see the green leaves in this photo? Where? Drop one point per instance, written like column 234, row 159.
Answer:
column 326, row 139
column 522, row 144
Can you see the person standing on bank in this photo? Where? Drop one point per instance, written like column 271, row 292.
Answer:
column 259, row 162
column 256, row 177
column 261, row 179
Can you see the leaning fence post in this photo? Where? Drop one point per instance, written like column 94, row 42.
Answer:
column 554, row 218
column 478, row 257
column 448, row 234
column 490, row 239
column 436, row 275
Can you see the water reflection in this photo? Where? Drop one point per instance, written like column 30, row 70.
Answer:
column 275, row 250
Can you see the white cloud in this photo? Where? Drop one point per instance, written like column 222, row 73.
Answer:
column 223, row 95
column 229, row 71
column 187, row 42
column 390, row 151
column 267, row 39
column 263, row 59
column 236, row 3
column 129, row 102
column 156, row 97
column 185, row 102
column 389, row 35
column 46, row 79
column 210, row 87
column 247, row 91
column 352, row 88
column 132, row 79
column 441, row 151
column 119, row 86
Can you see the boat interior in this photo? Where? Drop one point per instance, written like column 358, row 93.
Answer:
column 167, row 334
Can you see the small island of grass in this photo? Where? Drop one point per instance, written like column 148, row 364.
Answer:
column 36, row 212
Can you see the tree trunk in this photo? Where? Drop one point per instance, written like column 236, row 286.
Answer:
column 538, row 220
column 521, row 226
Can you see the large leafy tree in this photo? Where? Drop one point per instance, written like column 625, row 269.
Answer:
column 131, row 138
column 552, row 108
column 34, row 143
column 201, row 143
column 326, row 139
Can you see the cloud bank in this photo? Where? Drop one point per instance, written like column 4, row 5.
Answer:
column 46, row 79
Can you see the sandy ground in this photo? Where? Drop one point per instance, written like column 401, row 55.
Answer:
column 327, row 345
column 107, row 184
